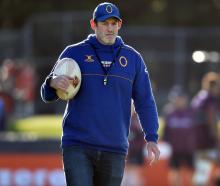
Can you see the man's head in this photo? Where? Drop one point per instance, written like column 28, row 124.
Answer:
column 104, row 11
column 178, row 97
column 211, row 83
column 106, row 23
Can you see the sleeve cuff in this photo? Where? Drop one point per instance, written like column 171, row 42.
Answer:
column 152, row 137
column 49, row 88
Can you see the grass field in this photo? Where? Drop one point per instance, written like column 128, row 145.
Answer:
column 46, row 126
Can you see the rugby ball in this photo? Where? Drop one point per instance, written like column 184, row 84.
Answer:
column 69, row 68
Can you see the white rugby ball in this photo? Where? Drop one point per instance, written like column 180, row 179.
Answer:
column 69, row 68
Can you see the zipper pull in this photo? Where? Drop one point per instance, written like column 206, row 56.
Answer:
column 105, row 80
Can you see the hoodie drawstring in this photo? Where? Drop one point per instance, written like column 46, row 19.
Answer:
column 106, row 70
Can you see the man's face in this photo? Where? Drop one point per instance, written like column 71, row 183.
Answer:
column 107, row 31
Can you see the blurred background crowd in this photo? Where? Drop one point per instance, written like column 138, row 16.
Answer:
column 179, row 41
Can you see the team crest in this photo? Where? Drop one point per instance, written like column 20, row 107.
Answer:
column 109, row 9
column 89, row 58
column 123, row 61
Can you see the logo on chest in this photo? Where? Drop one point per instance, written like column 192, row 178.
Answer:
column 123, row 61
column 89, row 58
column 106, row 64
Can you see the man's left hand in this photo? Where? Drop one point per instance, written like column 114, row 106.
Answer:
column 153, row 153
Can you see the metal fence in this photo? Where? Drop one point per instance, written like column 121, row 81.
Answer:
column 167, row 51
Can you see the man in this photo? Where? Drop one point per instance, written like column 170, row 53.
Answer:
column 96, row 122
column 2, row 115
column 207, row 108
column 179, row 132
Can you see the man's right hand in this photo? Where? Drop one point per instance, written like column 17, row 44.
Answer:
column 60, row 82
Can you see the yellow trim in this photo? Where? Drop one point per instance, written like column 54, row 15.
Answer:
column 109, row 75
column 121, row 78
column 93, row 75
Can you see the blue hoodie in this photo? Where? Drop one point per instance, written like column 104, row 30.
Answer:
column 99, row 115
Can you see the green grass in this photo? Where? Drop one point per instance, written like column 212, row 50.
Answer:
column 46, row 126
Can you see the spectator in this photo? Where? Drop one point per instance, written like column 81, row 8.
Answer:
column 8, row 75
column 179, row 132
column 24, row 89
column 2, row 115
column 135, row 159
column 18, row 82
column 206, row 106
column 136, row 142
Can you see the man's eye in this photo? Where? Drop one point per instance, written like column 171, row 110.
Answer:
column 103, row 23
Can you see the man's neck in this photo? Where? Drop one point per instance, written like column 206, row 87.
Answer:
column 103, row 43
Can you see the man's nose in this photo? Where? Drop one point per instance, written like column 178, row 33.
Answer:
column 110, row 27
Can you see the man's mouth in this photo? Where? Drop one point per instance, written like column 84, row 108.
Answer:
column 109, row 34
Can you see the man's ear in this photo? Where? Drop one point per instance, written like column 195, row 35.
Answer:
column 120, row 24
column 92, row 24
